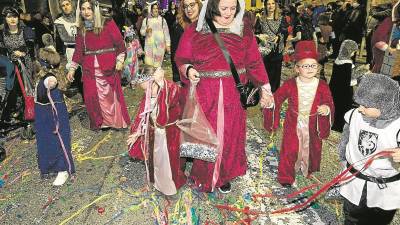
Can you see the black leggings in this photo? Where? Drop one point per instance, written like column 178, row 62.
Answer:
column 363, row 215
column 274, row 70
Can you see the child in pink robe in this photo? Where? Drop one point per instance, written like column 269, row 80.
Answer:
column 154, row 134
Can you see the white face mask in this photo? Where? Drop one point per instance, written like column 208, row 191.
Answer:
column 355, row 4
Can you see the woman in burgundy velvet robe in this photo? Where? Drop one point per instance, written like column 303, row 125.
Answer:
column 199, row 55
column 100, row 51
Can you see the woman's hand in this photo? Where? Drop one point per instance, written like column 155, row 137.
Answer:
column 168, row 49
column 323, row 110
column 149, row 30
column 70, row 75
column 132, row 139
column 193, row 75
column 19, row 53
column 266, row 99
column 119, row 66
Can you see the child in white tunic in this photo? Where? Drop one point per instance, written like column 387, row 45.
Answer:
column 372, row 196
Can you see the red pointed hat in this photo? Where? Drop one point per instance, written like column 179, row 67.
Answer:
column 305, row 50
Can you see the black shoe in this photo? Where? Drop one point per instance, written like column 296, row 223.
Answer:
column 286, row 185
column 225, row 189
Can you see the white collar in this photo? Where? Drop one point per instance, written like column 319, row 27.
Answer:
column 343, row 61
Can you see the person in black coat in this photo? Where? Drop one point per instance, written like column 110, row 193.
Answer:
column 354, row 27
column 170, row 15
column 188, row 12
column 340, row 83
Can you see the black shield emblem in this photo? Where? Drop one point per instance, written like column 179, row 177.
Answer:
column 367, row 142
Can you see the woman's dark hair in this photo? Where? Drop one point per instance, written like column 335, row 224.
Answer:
column 170, row 5
column 152, row 6
column 13, row 12
column 213, row 10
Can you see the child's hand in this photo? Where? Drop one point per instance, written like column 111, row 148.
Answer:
column 70, row 75
column 396, row 155
column 119, row 66
column 132, row 139
column 323, row 110
column 51, row 82
column 159, row 76
column 266, row 100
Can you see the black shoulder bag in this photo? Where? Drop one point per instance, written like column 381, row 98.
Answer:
column 249, row 94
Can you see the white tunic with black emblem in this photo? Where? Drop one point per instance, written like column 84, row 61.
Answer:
column 365, row 141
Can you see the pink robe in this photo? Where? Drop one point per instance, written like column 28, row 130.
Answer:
column 290, row 143
column 201, row 50
column 169, row 111
column 110, row 37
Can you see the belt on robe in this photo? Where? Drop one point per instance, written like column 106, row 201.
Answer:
column 100, row 51
column 222, row 73
column 380, row 181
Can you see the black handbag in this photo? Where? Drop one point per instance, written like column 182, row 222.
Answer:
column 249, row 94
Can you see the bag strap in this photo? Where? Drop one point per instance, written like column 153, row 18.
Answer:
column 21, row 84
column 224, row 51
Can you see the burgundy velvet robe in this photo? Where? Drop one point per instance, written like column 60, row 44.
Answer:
column 290, row 142
column 202, row 51
column 169, row 111
column 110, row 37
column 382, row 33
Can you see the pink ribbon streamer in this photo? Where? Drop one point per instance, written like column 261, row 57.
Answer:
column 220, row 135
column 56, row 131
column 144, row 127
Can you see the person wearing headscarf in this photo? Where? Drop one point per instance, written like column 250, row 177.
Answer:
column 339, row 84
column 100, row 51
column 154, row 133
column 157, row 40
column 17, row 43
column 373, row 195
column 200, row 60
column 66, row 30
